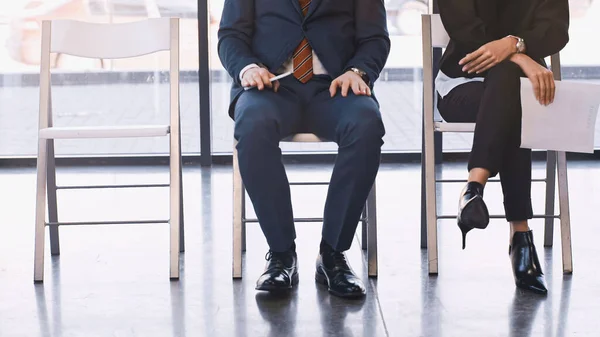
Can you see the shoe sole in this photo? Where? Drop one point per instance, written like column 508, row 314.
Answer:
column 271, row 288
column 466, row 221
column 531, row 289
column 322, row 280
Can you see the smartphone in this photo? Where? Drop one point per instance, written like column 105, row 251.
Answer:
column 275, row 78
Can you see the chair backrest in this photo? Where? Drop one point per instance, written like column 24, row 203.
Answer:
column 439, row 36
column 434, row 35
column 110, row 41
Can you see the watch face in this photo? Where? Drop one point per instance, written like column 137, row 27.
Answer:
column 359, row 72
column 521, row 45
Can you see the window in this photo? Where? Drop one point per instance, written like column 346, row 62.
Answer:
column 579, row 60
column 133, row 91
column 398, row 90
column 93, row 92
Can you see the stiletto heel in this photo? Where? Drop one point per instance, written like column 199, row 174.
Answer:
column 472, row 211
column 464, row 230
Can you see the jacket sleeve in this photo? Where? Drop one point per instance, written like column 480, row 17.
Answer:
column 235, row 37
column 550, row 29
column 463, row 25
column 372, row 38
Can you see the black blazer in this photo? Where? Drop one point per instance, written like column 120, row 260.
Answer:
column 542, row 24
column 343, row 33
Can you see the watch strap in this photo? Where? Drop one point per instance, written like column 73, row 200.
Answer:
column 362, row 75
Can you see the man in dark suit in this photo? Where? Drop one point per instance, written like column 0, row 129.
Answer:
column 336, row 50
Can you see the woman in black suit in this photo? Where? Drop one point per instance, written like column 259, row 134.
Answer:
column 492, row 44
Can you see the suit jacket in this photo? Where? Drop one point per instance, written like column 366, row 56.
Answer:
column 542, row 24
column 343, row 34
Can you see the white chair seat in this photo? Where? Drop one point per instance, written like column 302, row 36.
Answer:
column 304, row 138
column 454, row 127
column 104, row 131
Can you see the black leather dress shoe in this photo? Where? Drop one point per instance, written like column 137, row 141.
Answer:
column 526, row 265
column 334, row 272
column 472, row 211
column 281, row 272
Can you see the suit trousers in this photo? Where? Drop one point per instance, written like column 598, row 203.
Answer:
column 495, row 106
column 264, row 118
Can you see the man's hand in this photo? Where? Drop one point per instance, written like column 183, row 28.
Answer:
column 349, row 80
column 541, row 78
column 259, row 78
column 489, row 55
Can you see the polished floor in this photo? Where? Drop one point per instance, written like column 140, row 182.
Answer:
column 113, row 280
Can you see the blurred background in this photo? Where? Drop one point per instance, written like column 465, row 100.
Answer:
column 127, row 91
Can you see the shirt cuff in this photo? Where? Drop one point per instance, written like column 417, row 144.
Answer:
column 246, row 68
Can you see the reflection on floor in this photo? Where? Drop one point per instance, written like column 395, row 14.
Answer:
column 113, row 281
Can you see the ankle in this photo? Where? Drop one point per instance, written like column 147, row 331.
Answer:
column 518, row 227
column 479, row 175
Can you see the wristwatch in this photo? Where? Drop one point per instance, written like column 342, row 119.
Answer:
column 520, row 44
column 362, row 75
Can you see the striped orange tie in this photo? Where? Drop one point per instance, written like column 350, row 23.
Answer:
column 302, row 58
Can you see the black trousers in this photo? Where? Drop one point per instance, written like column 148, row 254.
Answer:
column 263, row 118
column 495, row 107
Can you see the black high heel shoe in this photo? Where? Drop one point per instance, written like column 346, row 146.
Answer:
column 472, row 211
column 526, row 265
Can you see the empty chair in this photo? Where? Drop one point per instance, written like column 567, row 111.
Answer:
column 105, row 41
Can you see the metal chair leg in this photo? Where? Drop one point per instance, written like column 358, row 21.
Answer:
column 372, row 233
column 52, row 199
column 565, row 216
column 431, row 207
column 51, row 185
column 363, row 225
column 181, row 217
column 244, row 232
column 175, row 165
column 237, row 217
column 423, row 200
column 429, row 146
column 40, row 210
column 175, row 204
column 550, row 194
column 42, row 158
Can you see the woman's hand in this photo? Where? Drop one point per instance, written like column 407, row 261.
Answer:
column 488, row 55
column 541, row 78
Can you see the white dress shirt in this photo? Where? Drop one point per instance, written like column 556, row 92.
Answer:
column 444, row 84
column 288, row 66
